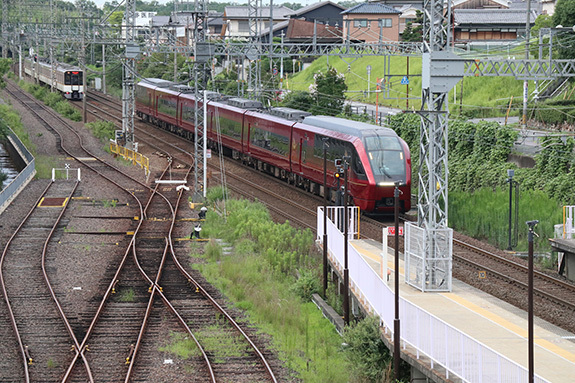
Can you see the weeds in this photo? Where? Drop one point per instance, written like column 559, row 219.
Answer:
column 127, row 295
column 259, row 277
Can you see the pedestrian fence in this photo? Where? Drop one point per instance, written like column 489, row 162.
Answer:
column 444, row 345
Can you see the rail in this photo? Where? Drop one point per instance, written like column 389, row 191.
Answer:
column 443, row 344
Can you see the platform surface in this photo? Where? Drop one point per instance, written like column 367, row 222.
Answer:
column 497, row 324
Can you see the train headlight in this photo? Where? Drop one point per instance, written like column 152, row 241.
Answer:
column 386, row 184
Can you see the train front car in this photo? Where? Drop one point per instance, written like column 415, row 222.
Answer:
column 70, row 82
column 382, row 155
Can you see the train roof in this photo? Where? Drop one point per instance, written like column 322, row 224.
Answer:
column 59, row 66
column 353, row 128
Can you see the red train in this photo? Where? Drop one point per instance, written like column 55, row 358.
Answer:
column 288, row 143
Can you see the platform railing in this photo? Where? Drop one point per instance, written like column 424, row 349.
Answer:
column 444, row 345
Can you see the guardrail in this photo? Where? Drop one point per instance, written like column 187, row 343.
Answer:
column 458, row 353
column 131, row 155
column 17, row 185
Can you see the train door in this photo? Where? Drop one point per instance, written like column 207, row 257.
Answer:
column 248, row 138
column 301, row 155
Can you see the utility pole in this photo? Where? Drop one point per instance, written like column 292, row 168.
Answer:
column 526, row 82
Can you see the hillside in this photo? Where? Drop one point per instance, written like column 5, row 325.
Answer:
column 482, row 96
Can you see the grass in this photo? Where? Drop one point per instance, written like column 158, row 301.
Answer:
column 127, row 295
column 44, row 166
column 181, row 346
column 254, row 279
column 484, row 95
column 485, row 215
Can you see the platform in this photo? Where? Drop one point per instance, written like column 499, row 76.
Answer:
column 492, row 322
column 566, row 250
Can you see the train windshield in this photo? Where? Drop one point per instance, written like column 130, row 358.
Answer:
column 73, row 78
column 386, row 156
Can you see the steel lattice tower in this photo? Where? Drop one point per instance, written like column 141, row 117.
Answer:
column 131, row 53
column 255, row 48
column 201, row 71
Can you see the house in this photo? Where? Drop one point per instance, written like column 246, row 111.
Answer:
column 371, row 22
column 236, row 19
column 548, row 7
column 408, row 9
column 215, row 23
column 471, row 26
column 324, row 12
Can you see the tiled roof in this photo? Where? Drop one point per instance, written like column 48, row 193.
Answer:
column 370, row 8
column 238, row 12
column 313, row 6
column 158, row 21
column 502, row 3
column 490, row 16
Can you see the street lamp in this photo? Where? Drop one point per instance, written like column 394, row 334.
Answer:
column 345, row 244
column 396, row 335
column 531, row 225
column 325, row 146
column 510, row 174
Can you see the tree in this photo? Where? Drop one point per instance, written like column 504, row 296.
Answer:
column 414, row 29
column 565, row 15
column 328, row 92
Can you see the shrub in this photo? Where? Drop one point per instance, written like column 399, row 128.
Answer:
column 306, row 285
column 103, row 130
column 365, row 351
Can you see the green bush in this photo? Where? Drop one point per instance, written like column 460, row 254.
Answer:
column 65, row 109
column 306, row 285
column 103, row 130
column 367, row 355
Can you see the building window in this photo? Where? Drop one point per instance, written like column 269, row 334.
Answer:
column 243, row 26
column 360, row 23
column 385, row 23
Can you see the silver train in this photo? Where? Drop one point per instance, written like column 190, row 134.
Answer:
column 68, row 79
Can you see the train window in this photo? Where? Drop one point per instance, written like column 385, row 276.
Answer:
column 382, row 143
column 356, row 164
column 269, row 140
column 228, row 126
column 387, row 163
column 167, row 106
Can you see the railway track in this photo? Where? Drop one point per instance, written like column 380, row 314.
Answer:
column 555, row 302
column 118, row 329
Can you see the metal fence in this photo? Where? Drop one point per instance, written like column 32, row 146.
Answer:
column 11, row 191
column 458, row 353
column 422, row 271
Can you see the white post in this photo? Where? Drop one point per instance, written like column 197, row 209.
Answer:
column 384, row 255
column 53, row 174
column 79, row 175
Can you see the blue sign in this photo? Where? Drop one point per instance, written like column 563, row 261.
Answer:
column 404, row 81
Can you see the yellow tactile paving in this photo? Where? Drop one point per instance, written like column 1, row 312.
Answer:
column 519, row 330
